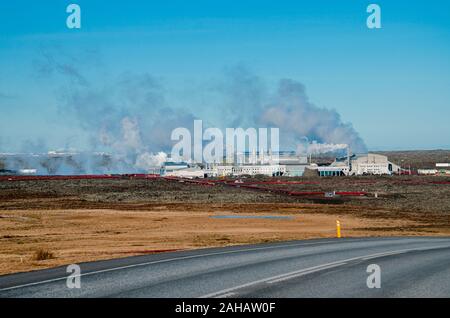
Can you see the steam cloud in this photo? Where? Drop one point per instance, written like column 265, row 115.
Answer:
column 320, row 148
column 128, row 117
column 298, row 118
column 289, row 109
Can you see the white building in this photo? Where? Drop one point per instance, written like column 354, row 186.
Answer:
column 330, row 171
column 27, row 171
column 267, row 170
column 295, row 165
column 372, row 164
column 427, row 171
column 442, row 168
column 255, row 163
column 239, row 170
column 170, row 166
column 188, row 173
column 366, row 164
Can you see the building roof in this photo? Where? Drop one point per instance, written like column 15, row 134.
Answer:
column 171, row 163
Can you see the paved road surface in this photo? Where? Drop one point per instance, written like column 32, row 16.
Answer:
column 410, row 267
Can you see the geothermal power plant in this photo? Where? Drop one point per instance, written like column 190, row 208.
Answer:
column 282, row 164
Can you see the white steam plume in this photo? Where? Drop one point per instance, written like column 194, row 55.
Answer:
column 319, row 148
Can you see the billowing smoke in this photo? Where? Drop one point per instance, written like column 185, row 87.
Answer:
column 248, row 101
column 129, row 120
column 298, row 118
column 126, row 115
column 320, row 148
column 146, row 160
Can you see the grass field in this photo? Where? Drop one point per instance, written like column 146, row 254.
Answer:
column 55, row 222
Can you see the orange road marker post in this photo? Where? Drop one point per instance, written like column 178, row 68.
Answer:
column 338, row 229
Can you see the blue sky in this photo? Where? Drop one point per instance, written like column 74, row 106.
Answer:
column 392, row 84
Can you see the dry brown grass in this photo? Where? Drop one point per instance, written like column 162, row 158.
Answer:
column 42, row 255
column 73, row 236
column 85, row 220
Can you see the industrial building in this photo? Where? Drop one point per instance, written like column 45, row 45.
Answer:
column 294, row 166
column 285, row 164
column 373, row 164
column 331, row 171
column 253, row 164
column 250, row 164
column 188, row 173
column 270, row 170
column 217, row 170
column 8, row 172
column 427, row 172
column 442, row 169
column 170, row 166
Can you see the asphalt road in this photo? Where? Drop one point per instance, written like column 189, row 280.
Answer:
column 410, row 267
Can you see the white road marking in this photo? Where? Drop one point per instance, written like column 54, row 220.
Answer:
column 227, row 295
column 181, row 258
column 309, row 270
column 384, row 254
column 303, row 272
column 170, row 260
